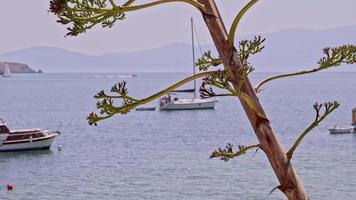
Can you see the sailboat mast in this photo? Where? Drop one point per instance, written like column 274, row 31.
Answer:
column 193, row 52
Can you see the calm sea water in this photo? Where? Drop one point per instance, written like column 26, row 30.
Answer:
column 165, row 155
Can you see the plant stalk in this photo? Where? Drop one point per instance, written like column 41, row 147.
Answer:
column 290, row 183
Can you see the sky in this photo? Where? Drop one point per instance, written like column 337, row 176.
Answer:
column 27, row 23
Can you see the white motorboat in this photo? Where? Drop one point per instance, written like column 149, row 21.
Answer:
column 345, row 129
column 342, row 130
column 7, row 72
column 25, row 139
column 176, row 103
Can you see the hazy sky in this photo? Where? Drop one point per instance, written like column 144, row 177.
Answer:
column 26, row 23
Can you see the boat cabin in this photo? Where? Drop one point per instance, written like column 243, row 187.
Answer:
column 3, row 128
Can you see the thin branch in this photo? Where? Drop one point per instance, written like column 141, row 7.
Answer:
column 208, row 92
column 236, row 21
column 102, row 95
column 328, row 109
column 258, row 87
column 195, row 4
column 224, row 95
column 334, row 57
column 274, row 189
column 113, row 3
column 207, row 60
column 105, row 103
column 228, row 153
column 129, row 2
column 220, row 79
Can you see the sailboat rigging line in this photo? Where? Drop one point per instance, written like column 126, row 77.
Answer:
column 193, row 52
column 196, row 35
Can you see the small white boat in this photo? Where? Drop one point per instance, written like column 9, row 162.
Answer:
column 342, row 130
column 25, row 139
column 128, row 76
column 7, row 72
column 166, row 103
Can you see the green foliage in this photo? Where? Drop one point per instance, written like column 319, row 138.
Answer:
column 221, row 79
column 336, row 56
column 228, row 153
column 218, row 79
column 85, row 14
column 250, row 47
column 207, row 60
column 246, row 48
column 105, row 103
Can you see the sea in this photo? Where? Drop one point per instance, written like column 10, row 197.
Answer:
column 163, row 155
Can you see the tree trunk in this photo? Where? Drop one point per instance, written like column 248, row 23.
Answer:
column 290, row 183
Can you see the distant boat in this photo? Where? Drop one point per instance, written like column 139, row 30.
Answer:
column 175, row 103
column 342, row 130
column 7, row 72
column 128, row 76
column 345, row 129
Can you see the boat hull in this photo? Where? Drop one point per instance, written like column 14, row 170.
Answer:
column 189, row 105
column 38, row 143
column 341, row 130
column 145, row 108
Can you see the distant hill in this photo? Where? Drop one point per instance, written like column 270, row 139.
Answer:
column 286, row 50
column 300, row 48
column 16, row 67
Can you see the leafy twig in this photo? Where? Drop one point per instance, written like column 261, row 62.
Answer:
column 328, row 109
column 334, row 57
column 250, row 47
column 207, row 60
column 85, row 14
column 228, row 153
column 208, row 92
column 221, row 79
column 246, row 48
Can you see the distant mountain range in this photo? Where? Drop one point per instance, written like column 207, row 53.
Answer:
column 286, row 50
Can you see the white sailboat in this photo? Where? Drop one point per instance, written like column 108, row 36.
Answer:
column 7, row 72
column 173, row 102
